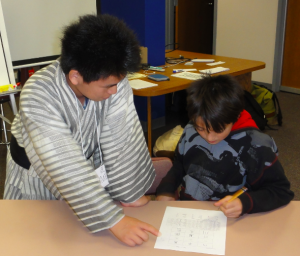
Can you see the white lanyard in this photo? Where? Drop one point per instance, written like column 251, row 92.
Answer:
column 101, row 172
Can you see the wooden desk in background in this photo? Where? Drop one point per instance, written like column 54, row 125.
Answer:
column 49, row 228
column 240, row 68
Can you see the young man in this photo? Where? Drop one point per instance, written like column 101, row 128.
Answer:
column 221, row 150
column 77, row 136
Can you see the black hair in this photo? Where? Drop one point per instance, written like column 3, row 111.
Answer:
column 98, row 47
column 218, row 100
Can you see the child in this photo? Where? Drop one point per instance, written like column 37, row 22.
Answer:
column 221, row 150
column 77, row 124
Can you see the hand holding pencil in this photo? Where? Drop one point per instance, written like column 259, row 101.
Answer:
column 232, row 206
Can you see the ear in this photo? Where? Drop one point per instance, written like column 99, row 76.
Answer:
column 75, row 77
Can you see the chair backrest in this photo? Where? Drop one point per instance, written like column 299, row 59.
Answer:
column 161, row 165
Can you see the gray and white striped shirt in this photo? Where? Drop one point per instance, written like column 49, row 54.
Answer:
column 48, row 127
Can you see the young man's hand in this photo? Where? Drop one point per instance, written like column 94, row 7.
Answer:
column 140, row 202
column 230, row 209
column 165, row 198
column 132, row 231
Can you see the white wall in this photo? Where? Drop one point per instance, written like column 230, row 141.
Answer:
column 6, row 70
column 247, row 29
column 34, row 27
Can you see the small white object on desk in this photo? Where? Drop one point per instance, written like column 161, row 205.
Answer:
column 203, row 60
column 184, row 69
column 156, row 69
column 189, row 63
column 188, row 75
column 215, row 63
column 140, row 84
column 213, row 70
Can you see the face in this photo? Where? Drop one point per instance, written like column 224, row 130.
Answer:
column 211, row 137
column 98, row 90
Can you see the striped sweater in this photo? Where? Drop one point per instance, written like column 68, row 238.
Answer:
column 55, row 130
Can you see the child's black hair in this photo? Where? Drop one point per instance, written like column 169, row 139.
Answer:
column 218, row 100
column 98, row 47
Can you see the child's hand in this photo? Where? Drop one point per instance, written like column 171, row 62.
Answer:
column 230, row 209
column 132, row 231
column 140, row 202
column 165, row 198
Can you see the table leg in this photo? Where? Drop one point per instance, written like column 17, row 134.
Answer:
column 13, row 104
column 149, row 125
column 245, row 81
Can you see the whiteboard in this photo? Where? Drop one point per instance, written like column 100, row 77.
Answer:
column 6, row 70
column 247, row 30
column 4, row 78
column 34, row 27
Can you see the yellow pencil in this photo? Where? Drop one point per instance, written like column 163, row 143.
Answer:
column 238, row 193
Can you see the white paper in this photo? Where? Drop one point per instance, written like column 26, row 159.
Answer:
column 185, row 69
column 215, row 63
column 135, row 76
column 213, row 70
column 203, row 60
column 189, row 63
column 140, row 84
column 193, row 230
column 188, row 75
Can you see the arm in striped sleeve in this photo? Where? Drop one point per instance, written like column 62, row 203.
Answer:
column 125, row 153
column 59, row 162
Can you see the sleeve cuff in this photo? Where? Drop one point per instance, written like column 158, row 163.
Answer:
column 247, row 203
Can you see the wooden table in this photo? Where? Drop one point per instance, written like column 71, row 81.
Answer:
column 49, row 228
column 240, row 68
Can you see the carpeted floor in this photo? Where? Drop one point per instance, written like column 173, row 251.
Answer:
column 286, row 137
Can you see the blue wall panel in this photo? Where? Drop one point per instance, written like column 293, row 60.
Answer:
column 155, row 31
column 132, row 12
column 147, row 19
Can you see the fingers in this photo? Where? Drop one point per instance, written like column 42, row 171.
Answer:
column 147, row 227
column 129, row 242
column 137, row 240
column 135, row 237
column 142, row 235
column 132, row 231
column 232, row 209
column 133, row 241
column 222, row 201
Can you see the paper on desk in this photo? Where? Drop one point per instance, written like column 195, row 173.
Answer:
column 135, row 75
column 193, row 230
column 184, row 69
column 213, row 70
column 140, row 84
column 215, row 63
column 203, row 60
column 188, row 75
